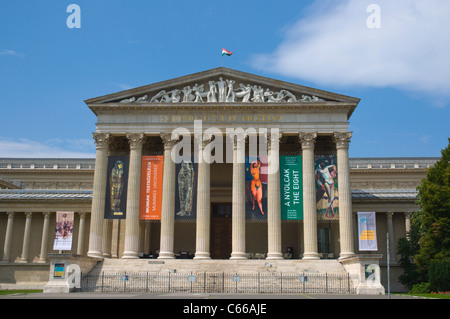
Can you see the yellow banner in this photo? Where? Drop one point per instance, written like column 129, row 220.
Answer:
column 367, row 235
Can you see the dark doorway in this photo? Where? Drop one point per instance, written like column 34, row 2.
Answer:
column 221, row 230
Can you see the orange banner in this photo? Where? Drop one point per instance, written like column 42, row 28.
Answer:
column 151, row 187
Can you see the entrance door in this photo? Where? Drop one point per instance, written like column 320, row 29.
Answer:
column 221, row 231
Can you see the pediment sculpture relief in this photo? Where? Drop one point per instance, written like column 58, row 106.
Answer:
column 222, row 91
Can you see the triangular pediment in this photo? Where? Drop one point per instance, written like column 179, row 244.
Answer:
column 222, row 85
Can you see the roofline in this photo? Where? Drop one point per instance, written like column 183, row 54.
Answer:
column 217, row 71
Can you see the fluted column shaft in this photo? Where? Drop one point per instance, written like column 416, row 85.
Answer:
column 133, row 197
column 203, row 204
column 44, row 241
column 273, row 199
column 26, row 238
column 342, row 140
column 8, row 238
column 168, row 201
column 238, row 198
column 81, row 233
column 307, row 141
column 98, row 195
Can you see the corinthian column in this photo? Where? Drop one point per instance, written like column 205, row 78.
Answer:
column 44, row 241
column 98, row 195
column 168, row 201
column 273, row 198
column 238, row 198
column 203, row 204
column 309, row 196
column 26, row 239
column 342, row 140
column 133, row 197
column 8, row 238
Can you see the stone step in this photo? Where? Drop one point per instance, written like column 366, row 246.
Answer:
column 226, row 266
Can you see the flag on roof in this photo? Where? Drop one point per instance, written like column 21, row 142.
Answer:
column 226, row 52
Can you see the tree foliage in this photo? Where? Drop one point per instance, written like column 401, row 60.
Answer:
column 434, row 200
column 428, row 241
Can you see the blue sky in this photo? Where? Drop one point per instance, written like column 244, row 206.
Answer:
column 400, row 71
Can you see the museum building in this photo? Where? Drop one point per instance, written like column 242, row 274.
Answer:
column 217, row 165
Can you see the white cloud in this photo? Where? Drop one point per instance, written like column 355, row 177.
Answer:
column 11, row 53
column 25, row 148
column 333, row 45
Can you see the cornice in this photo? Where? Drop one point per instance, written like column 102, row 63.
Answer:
column 98, row 108
column 46, row 171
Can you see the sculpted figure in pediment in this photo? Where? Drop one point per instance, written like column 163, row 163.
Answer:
column 142, row 99
column 245, row 92
column 221, row 84
column 188, row 96
column 258, row 94
column 278, row 98
column 199, row 94
column 211, row 96
column 290, row 97
column 130, row 100
column 160, row 94
column 231, row 96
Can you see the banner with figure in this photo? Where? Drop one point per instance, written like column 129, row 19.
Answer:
column 291, row 185
column 186, row 190
column 116, row 187
column 63, row 231
column 327, row 195
column 151, row 187
column 256, row 187
column 367, row 231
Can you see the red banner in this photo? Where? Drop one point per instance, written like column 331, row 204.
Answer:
column 151, row 187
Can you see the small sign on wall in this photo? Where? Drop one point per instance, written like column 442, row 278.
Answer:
column 58, row 270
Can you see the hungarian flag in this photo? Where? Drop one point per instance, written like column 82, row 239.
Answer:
column 226, row 52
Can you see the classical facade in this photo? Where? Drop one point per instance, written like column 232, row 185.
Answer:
column 249, row 168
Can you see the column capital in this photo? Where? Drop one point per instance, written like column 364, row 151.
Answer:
column 10, row 214
column 47, row 214
column 307, row 139
column 274, row 139
column 202, row 141
column 101, row 140
column 136, row 140
column 238, row 140
column 390, row 215
column 168, row 141
column 82, row 214
column 342, row 139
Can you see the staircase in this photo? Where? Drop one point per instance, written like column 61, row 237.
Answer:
column 329, row 266
column 218, row 276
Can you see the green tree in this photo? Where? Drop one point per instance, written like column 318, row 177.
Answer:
column 434, row 200
column 407, row 248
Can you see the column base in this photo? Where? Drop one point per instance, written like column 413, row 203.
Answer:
column 130, row 255
column 202, row 256
column 274, row 256
column 22, row 260
column 346, row 255
column 238, row 256
column 166, row 255
column 95, row 254
column 311, row 256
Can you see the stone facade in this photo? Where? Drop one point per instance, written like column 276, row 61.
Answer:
column 294, row 119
